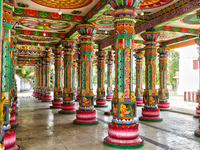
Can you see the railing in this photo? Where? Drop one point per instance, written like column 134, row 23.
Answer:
column 190, row 96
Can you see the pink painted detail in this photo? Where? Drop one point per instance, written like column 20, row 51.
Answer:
column 123, row 132
column 150, row 118
column 85, row 121
column 67, row 108
column 163, row 105
column 139, row 101
column 150, row 112
column 198, row 110
column 135, row 141
column 10, row 139
column 101, row 102
column 85, row 115
column 13, row 122
column 39, row 95
column 109, row 98
column 13, row 108
column 47, row 98
column 14, row 103
column 57, row 103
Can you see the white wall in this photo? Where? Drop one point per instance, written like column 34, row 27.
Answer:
column 188, row 78
column 18, row 82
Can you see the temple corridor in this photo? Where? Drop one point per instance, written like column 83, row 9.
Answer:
column 42, row 128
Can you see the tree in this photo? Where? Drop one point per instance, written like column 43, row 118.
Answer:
column 25, row 72
column 173, row 67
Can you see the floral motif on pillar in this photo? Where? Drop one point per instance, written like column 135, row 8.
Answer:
column 68, row 106
column 163, row 93
column 86, row 115
column 123, row 131
column 56, row 103
column 150, row 112
column 139, row 54
column 48, row 60
column 110, row 61
column 101, row 63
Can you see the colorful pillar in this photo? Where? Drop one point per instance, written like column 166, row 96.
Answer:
column 86, row 114
column 101, row 63
column 74, row 80
column 41, row 66
column 139, row 54
column 123, row 131
column 163, row 93
column 68, row 106
column 37, row 78
column 10, row 134
column 197, row 115
column 58, row 76
column 34, row 91
column 150, row 112
column 79, row 76
column 110, row 61
column 48, row 60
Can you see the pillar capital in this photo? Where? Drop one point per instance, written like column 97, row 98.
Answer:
column 66, row 43
column 139, row 53
column 163, row 50
column 57, row 51
column 87, row 29
column 126, row 3
column 150, row 36
column 101, row 54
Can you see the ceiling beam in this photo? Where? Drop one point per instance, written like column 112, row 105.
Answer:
column 34, row 14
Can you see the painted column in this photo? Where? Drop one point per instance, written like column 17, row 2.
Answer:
column 48, row 60
column 197, row 115
column 110, row 62
column 37, row 79
column 2, row 100
column 68, row 106
column 163, row 93
column 123, row 131
column 58, row 76
column 139, row 54
column 73, row 80
column 101, row 63
column 150, row 112
column 43, row 77
column 79, row 76
column 86, row 114
column 34, row 91
column 10, row 134
column 41, row 66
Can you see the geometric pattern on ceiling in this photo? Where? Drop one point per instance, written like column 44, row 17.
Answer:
column 191, row 20
column 104, row 23
column 147, row 4
column 63, row 4
column 43, row 24
column 38, row 38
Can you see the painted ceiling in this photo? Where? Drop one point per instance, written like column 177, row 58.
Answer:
column 40, row 25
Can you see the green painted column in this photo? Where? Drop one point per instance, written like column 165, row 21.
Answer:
column 101, row 63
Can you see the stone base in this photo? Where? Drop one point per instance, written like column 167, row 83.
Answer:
column 150, row 119
column 14, row 125
column 197, row 115
column 67, row 112
column 123, row 137
column 151, row 115
column 101, row 106
column 56, row 104
column 109, row 98
column 67, row 109
column 197, row 133
column 164, row 106
column 139, row 102
column 86, row 117
column 138, row 143
column 10, row 139
column 86, row 122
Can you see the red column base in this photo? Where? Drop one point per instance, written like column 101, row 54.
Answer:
column 47, row 99
column 123, row 137
column 151, row 115
column 139, row 101
column 77, row 98
column 13, row 123
column 197, row 115
column 86, row 118
column 101, row 103
column 164, row 106
column 10, row 139
column 41, row 97
column 67, row 109
column 109, row 98
column 56, row 104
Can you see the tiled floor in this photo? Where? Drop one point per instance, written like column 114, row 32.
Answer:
column 42, row 128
